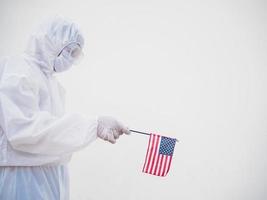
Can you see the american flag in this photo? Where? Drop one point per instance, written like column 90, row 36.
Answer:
column 159, row 155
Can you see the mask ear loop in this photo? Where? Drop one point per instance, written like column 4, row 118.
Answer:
column 60, row 52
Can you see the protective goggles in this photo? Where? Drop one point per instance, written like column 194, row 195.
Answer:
column 72, row 52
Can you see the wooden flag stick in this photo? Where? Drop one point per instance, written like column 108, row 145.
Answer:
column 144, row 133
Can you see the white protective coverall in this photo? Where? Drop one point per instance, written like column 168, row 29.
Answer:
column 36, row 137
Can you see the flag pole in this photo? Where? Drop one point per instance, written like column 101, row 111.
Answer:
column 145, row 133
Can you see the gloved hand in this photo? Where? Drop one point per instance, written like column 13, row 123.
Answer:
column 110, row 129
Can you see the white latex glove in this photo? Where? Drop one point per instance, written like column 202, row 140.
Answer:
column 110, row 129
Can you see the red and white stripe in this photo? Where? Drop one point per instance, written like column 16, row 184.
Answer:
column 155, row 163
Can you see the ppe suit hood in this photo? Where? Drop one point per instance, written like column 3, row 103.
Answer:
column 49, row 39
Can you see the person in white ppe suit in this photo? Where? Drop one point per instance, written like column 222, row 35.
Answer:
column 37, row 138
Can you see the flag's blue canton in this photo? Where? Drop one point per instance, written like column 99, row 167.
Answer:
column 167, row 146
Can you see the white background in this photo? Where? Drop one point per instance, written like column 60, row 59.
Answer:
column 195, row 70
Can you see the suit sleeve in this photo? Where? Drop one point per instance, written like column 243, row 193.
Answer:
column 29, row 129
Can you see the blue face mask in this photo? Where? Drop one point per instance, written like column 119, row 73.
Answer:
column 67, row 57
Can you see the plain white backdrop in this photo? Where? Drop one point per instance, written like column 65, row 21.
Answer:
column 195, row 70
